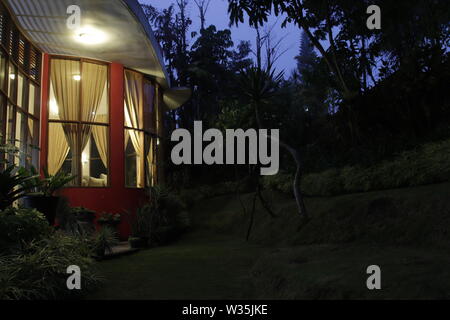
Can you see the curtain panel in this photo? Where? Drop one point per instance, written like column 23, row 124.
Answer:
column 134, row 104
column 78, row 89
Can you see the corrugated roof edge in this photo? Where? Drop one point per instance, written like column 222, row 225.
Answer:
column 137, row 10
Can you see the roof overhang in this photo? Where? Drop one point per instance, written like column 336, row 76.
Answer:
column 129, row 38
column 176, row 97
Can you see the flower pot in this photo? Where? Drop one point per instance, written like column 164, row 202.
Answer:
column 46, row 205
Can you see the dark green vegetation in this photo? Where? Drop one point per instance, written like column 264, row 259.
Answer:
column 198, row 266
column 353, row 98
column 404, row 231
column 427, row 164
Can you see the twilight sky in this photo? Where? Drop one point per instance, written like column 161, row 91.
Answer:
column 218, row 15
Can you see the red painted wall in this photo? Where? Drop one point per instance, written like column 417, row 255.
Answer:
column 116, row 198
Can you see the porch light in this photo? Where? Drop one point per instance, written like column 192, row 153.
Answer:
column 90, row 36
column 12, row 76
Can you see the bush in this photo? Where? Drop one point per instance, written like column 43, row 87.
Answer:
column 39, row 270
column 104, row 241
column 426, row 165
column 19, row 227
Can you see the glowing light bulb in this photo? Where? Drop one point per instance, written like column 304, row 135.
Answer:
column 90, row 36
column 77, row 77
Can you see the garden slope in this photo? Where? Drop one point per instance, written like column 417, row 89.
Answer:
column 404, row 231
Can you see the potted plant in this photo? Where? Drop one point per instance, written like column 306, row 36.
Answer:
column 83, row 214
column 104, row 241
column 141, row 227
column 44, row 198
column 109, row 220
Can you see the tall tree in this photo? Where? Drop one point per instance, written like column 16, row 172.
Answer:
column 307, row 56
column 203, row 6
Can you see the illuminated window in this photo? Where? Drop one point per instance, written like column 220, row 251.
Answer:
column 79, row 121
column 141, row 132
column 20, row 64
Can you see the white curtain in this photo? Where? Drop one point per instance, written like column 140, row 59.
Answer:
column 67, row 94
column 58, row 148
column 93, row 84
column 100, row 134
column 65, row 80
column 134, row 101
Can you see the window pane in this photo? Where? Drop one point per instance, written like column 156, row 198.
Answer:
column 62, row 149
column 2, row 70
column 2, row 126
column 102, row 115
column 20, row 90
column 134, row 159
column 9, row 124
column 34, row 141
column 32, row 99
column 12, row 82
column 150, row 161
column 65, row 90
column 149, row 118
column 94, row 100
column 159, row 115
column 20, row 140
column 134, row 100
column 95, row 157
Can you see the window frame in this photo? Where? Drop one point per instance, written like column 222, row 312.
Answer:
column 78, row 123
column 26, row 59
column 152, row 135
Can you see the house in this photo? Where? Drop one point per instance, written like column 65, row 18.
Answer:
column 91, row 95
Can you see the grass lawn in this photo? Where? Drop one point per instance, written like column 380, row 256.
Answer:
column 404, row 231
column 198, row 266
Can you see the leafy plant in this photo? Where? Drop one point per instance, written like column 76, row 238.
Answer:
column 39, row 270
column 14, row 185
column 51, row 184
column 104, row 241
column 46, row 186
column 18, row 227
column 109, row 218
column 141, row 224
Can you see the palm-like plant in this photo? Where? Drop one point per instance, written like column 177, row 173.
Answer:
column 260, row 85
column 51, row 184
column 13, row 186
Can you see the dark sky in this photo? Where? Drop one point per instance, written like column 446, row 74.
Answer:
column 218, row 16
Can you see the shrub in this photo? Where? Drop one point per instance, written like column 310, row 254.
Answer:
column 426, row 165
column 19, row 227
column 39, row 270
column 104, row 241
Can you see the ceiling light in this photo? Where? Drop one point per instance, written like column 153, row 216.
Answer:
column 90, row 36
column 77, row 77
